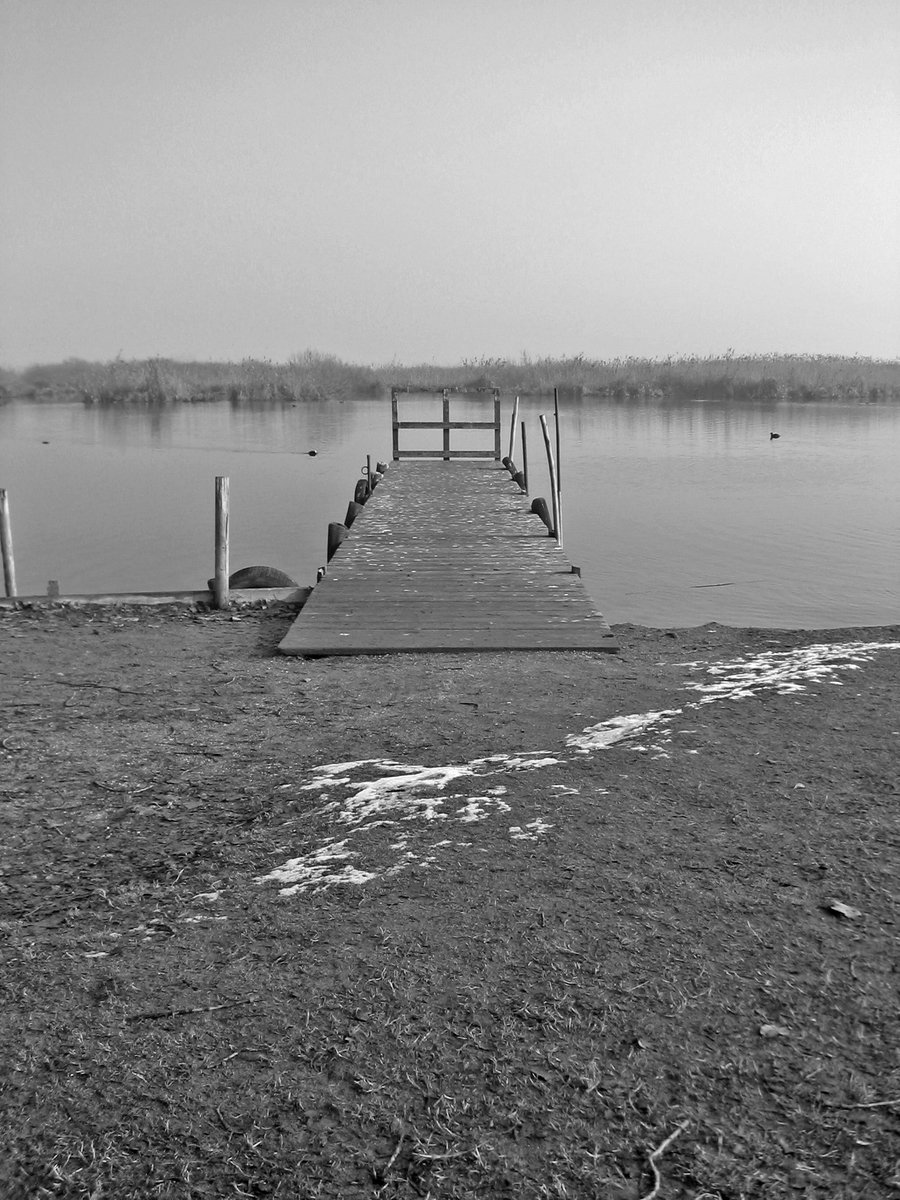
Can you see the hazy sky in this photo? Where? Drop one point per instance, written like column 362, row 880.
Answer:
column 429, row 180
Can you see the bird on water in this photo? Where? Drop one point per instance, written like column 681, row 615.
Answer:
column 772, row 436
column 313, row 453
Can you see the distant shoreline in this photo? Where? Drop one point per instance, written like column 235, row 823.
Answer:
column 314, row 377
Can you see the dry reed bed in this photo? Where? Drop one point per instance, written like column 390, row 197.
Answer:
column 313, row 376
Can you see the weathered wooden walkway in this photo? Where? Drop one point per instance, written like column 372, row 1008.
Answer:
column 447, row 556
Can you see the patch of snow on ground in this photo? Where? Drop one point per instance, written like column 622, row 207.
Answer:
column 782, row 671
column 315, row 869
column 477, row 808
column 389, row 791
column 617, row 729
column 530, row 832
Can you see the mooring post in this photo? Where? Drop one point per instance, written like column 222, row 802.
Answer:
column 554, row 488
column 336, row 534
column 558, row 455
column 524, row 462
column 541, row 509
column 446, row 421
column 512, row 428
column 220, row 582
column 6, row 546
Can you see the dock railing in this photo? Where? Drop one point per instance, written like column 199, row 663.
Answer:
column 445, row 424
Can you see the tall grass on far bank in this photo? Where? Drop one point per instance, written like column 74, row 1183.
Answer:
column 308, row 376
column 728, row 377
column 311, row 376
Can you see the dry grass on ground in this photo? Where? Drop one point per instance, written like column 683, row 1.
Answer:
column 628, row 944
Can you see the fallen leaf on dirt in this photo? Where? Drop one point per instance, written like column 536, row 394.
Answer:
column 842, row 910
column 773, row 1031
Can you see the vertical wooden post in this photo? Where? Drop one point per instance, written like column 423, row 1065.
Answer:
column 395, row 424
column 554, row 489
column 446, row 419
column 558, row 456
column 524, row 458
column 497, row 450
column 512, row 428
column 6, row 546
column 369, row 481
column 220, row 582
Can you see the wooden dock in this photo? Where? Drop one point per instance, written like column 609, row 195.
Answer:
column 447, row 556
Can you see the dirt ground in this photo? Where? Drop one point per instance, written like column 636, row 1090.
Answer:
column 479, row 925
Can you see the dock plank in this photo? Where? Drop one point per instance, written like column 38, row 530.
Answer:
column 447, row 556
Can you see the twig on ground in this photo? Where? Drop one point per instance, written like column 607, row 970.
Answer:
column 184, row 1012
column 424, row 1156
column 873, row 1104
column 652, row 1157
column 110, row 687
column 380, row 1174
column 122, row 791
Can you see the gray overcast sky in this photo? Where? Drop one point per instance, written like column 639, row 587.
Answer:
column 429, row 180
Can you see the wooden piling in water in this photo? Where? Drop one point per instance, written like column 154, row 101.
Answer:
column 554, row 486
column 558, row 453
column 6, row 545
column 541, row 508
column 353, row 511
column 336, row 535
column 512, row 429
column 220, row 581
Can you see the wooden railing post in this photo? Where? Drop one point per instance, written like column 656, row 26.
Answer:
column 446, row 419
column 497, row 450
column 395, row 424
column 220, row 581
column 6, row 546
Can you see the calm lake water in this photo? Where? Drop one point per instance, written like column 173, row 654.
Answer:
column 677, row 514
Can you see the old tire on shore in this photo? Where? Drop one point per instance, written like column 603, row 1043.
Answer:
column 257, row 577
